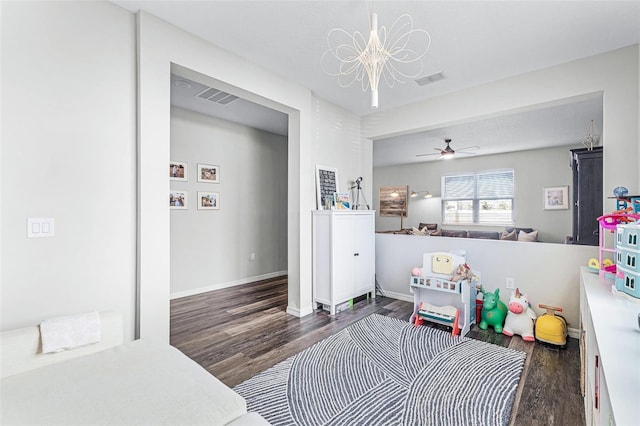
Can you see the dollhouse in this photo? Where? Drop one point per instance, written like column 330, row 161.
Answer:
column 627, row 278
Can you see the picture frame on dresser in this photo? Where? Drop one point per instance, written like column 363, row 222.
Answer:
column 326, row 186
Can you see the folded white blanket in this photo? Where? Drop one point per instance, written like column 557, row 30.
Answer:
column 70, row 332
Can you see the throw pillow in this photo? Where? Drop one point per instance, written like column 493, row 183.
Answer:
column 429, row 226
column 436, row 233
column 421, row 232
column 509, row 236
column 528, row 236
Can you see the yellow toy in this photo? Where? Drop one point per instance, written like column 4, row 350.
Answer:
column 551, row 328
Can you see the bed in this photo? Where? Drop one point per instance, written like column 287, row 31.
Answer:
column 110, row 383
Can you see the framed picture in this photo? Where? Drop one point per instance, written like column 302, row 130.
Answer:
column 208, row 200
column 393, row 200
column 326, row 186
column 178, row 171
column 208, row 173
column 178, row 200
column 556, row 198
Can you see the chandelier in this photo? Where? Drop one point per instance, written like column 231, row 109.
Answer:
column 389, row 55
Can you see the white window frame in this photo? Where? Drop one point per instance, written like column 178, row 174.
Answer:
column 475, row 198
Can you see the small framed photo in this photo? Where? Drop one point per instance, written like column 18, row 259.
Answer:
column 178, row 171
column 208, row 173
column 178, row 200
column 556, row 198
column 208, row 200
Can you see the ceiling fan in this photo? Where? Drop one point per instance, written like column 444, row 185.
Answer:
column 448, row 152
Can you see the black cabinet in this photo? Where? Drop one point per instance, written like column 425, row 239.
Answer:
column 587, row 194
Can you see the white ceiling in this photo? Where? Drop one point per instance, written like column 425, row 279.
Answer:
column 472, row 42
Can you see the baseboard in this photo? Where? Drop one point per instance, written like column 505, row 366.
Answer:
column 573, row 332
column 398, row 296
column 228, row 284
column 299, row 312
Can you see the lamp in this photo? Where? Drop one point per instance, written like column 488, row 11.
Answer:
column 592, row 137
column 414, row 194
column 383, row 55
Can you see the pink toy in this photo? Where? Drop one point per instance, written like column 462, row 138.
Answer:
column 416, row 272
column 520, row 317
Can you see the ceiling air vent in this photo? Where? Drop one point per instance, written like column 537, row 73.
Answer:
column 422, row 81
column 217, row 96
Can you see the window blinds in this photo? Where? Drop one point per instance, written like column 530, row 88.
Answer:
column 485, row 185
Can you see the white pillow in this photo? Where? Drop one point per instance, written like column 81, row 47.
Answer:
column 531, row 236
column 416, row 231
column 510, row 236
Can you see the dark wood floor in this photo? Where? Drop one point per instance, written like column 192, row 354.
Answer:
column 238, row 332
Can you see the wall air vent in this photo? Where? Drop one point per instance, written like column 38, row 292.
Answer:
column 422, row 81
column 217, row 96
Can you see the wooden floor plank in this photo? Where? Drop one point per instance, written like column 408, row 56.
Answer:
column 240, row 331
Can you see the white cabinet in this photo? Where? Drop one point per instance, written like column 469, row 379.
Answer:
column 343, row 256
column 610, row 353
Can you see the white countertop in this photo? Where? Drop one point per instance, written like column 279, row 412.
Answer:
column 615, row 323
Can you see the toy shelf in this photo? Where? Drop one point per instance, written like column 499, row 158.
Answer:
column 628, row 201
column 435, row 283
column 437, row 291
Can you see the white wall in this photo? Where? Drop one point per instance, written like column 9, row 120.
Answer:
column 211, row 249
column 614, row 73
column 159, row 46
column 337, row 142
column 68, row 152
column 533, row 171
column 548, row 273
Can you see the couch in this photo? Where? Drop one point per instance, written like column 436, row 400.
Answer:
column 510, row 233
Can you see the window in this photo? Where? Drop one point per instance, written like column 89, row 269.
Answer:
column 481, row 198
column 633, row 239
column 630, row 282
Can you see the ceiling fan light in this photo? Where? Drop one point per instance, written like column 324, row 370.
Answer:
column 447, row 155
column 428, row 195
column 413, row 194
column 395, row 194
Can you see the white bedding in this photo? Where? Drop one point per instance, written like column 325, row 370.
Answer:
column 138, row 383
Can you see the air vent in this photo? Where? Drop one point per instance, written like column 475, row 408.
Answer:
column 217, row 96
column 422, row 81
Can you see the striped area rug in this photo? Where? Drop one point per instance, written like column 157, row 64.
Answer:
column 384, row 371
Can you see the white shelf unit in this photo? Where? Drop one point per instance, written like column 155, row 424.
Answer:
column 343, row 256
column 441, row 292
column 610, row 353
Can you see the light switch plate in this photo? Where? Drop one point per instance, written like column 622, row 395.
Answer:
column 40, row 227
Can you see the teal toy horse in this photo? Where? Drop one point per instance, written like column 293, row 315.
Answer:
column 493, row 311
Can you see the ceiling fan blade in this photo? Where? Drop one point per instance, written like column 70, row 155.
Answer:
column 437, row 149
column 425, row 155
column 468, row 148
column 466, row 153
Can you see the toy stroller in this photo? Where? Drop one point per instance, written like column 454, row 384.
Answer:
column 551, row 328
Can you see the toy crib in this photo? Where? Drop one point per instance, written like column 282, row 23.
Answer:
column 439, row 299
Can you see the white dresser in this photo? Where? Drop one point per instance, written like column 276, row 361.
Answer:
column 611, row 353
column 343, row 256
